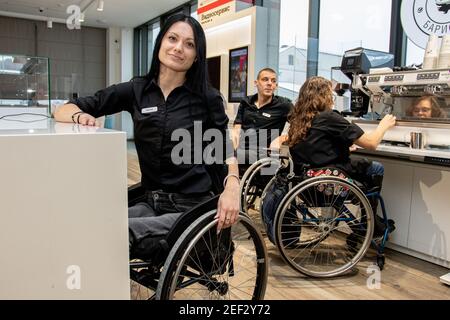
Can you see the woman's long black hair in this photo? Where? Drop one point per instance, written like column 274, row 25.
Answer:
column 197, row 75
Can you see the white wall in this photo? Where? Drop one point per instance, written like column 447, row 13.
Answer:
column 248, row 27
column 113, row 68
column 113, row 56
column 127, row 74
column 120, row 69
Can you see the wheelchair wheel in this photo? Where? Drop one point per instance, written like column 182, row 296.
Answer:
column 231, row 265
column 306, row 239
column 253, row 182
column 324, row 226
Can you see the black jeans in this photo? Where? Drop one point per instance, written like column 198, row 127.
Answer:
column 157, row 216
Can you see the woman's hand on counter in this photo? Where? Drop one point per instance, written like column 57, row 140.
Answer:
column 88, row 120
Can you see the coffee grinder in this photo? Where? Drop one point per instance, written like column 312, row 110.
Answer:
column 360, row 61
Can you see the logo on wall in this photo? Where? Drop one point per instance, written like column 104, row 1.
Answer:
column 214, row 11
column 420, row 18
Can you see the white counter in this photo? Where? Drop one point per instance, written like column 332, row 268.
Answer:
column 416, row 195
column 63, row 212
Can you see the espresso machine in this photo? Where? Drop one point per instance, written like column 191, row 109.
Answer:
column 399, row 91
column 359, row 61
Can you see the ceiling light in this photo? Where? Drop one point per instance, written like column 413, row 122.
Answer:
column 100, row 5
column 81, row 18
column 49, row 24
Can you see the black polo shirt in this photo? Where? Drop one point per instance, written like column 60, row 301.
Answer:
column 327, row 142
column 155, row 119
column 272, row 116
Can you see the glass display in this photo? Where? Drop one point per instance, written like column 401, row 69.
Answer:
column 24, row 83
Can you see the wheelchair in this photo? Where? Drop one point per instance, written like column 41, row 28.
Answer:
column 323, row 224
column 195, row 262
column 257, row 176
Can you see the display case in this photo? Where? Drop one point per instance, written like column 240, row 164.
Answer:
column 24, row 84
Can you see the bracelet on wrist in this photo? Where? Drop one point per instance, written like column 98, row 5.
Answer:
column 78, row 118
column 230, row 175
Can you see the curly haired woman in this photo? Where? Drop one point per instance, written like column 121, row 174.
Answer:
column 320, row 137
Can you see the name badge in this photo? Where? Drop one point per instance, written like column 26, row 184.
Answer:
column 149, row 110
column 266, row 115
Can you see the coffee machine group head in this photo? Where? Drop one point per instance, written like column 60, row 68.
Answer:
column 360, row 61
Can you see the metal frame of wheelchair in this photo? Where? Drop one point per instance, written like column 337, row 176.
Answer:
column 195, row 262
column 335, row 233
column 253, row 183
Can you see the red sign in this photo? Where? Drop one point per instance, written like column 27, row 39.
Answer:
column 212, row 5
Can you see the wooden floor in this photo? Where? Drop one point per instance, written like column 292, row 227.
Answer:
column 403, row 278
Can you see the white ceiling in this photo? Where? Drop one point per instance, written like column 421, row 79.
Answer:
column 121, row 13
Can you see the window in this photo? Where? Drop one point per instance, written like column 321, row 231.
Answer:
column 152, row 33
column 291, row 59
column 357, row 24
column 194, row 14
column 293, row 47
column 414, row 54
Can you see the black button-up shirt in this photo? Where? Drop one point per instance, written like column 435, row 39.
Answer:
column 271, row 117
column 326, row 143
column 155, row 119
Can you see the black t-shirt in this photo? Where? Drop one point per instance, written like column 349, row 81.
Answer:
column 272, row 116
column 155, row 120
column 327, row 142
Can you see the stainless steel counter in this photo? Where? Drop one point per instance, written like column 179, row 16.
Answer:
column 401, row 151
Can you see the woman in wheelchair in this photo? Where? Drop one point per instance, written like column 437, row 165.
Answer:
column 173, row 95
column 170, row 224
column 321, row 138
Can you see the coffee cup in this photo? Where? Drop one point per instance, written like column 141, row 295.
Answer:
column 417, row 140
column 444, row 53
column 431, row 56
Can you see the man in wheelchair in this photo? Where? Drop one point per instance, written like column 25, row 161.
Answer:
column 322, row 138
column 260, row 119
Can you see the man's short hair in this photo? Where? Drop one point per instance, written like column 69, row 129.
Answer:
column 266, row 69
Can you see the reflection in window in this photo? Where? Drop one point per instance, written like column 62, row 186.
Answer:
column 427, row 107
column 293, row 47
column 357, row 24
